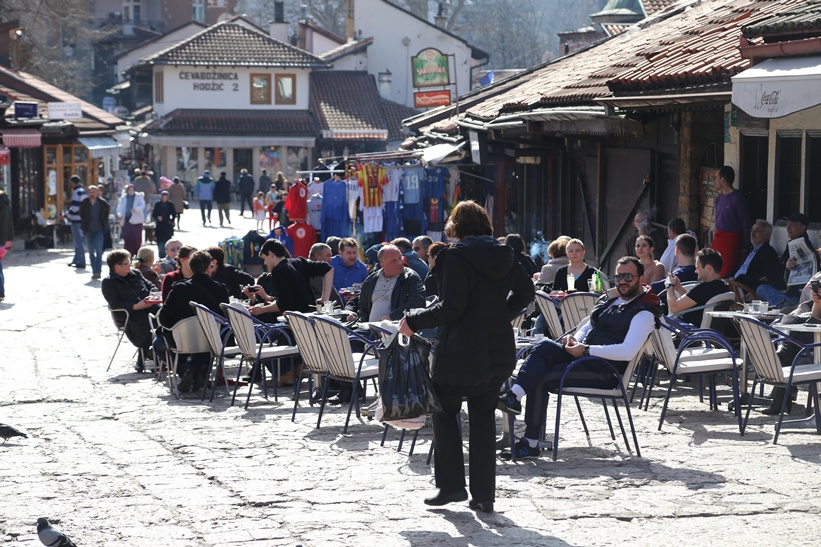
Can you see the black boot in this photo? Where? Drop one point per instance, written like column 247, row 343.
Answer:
column 778, row 398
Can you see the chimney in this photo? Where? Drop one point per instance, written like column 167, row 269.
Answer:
column 350, row 22
column 384, row 79
column 440, row 20
column 278, row 28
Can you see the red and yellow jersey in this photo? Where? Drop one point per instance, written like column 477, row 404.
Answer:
column 372, row 177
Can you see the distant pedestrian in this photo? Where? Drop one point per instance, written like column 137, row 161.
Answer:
column 222, row 195
column 130, row 213
column 144, row 184
column 6, row 235
column 246, row 191
column 73, row 216
column 204, row 193
column 259, row 211
column 176, row 195
column 164, row 214
column 265, row 181
column 94, row 211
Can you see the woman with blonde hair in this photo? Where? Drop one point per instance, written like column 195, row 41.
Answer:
column 144, row 262
column 576, row 267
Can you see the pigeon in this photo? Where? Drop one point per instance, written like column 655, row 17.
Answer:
column 7, row 432
column 50, row 536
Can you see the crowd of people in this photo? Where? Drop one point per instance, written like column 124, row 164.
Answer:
column 464, row 293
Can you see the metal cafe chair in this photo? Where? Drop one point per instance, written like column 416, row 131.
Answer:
column 120, row 332
column 257, row 344
column 679, row 363
column 577, row 306
column 343, row 363
column 217, row 331
column 314, row 362
column 760, row 340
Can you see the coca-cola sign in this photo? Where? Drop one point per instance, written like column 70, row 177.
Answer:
column 778, row 87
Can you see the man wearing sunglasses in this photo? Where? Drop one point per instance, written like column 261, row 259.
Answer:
column 618, row 328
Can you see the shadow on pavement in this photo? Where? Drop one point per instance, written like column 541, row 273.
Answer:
column 481, row 529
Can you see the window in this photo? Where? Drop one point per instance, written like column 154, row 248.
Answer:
column 159, row 92
column 286, row 89
column 812, row 192
column 260, row 89
column 132, row 11
column 787, row 174
column 198, row 10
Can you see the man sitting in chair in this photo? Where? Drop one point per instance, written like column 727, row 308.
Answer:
column 760, row 264
column 708, row 266
column 389, row 292
column 199, row 288
column 127, row 289
column 618, row 328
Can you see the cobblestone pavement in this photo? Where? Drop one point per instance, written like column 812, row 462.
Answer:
column 113, row 459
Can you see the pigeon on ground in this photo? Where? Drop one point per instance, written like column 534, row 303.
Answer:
column 7, row 432
column 50, row 536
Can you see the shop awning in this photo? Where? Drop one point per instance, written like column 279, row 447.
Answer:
column 438, row 152
column 101, row 147
column 22, row 138
column 778, row 87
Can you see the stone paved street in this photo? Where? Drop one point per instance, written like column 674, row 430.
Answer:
column 113, row 459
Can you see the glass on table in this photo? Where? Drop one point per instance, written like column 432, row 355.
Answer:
column 571, row 282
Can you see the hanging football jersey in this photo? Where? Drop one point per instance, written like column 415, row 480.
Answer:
column 297, row 202
column 371, row 178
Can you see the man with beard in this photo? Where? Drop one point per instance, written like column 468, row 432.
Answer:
column 617, row 330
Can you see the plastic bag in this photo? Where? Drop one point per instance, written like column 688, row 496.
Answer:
column 405, row 387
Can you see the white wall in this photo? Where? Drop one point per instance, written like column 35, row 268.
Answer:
column 223, row 94
column 131, row 58
column 352, row 62
column 389, row 26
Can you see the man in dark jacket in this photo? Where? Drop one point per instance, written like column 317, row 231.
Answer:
column 233, row 279
column 618, row 329
column 164, row 214
column 126, row 289
column 760, row 264
column 198, row 288
column 774, row 291
column 94, row 212
column 410, row 257
column 222, row 195
column 388, row 293
column 246, row 191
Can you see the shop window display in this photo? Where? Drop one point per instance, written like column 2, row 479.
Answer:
column 187, row 163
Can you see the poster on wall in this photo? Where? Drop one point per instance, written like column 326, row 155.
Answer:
column 707, row 177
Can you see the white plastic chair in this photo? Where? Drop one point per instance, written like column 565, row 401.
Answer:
column 188, row 339
column 343, row 363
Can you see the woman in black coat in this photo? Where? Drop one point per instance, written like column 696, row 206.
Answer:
column 482, row 289
column 164, row 215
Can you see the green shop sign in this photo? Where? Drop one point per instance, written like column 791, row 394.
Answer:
column 430, row 68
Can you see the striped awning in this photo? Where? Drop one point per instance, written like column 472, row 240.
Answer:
column 22, row 138
column 101, row 147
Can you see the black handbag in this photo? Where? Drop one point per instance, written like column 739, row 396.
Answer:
column 405, row 387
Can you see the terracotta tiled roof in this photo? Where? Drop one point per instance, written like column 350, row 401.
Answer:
column 655, row 6
column 806, row 18
column 233, row 44
column 235, row 122
column 394, row 114
column 346, row 105
column 691, row 46
column 612, row 28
